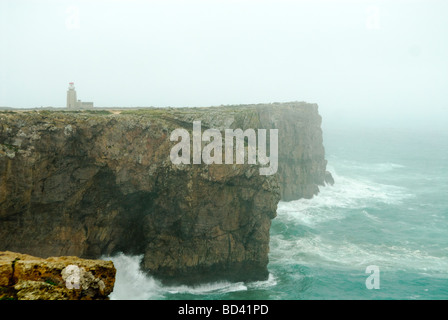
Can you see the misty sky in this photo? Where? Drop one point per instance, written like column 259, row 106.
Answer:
column 359, row 60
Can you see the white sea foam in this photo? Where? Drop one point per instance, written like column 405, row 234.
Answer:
column 208, row 288
column 380, row 167
column 263, row 284
column 133, row 284
column 130, row 282
column 346, row 193
column 370, row 216
column 316, row 250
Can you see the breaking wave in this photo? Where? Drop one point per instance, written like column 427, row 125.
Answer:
column 346, row 193
column 132, row 283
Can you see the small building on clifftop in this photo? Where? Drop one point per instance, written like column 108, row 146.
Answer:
column 72, row 102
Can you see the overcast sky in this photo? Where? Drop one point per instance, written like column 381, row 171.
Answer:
column 359, row 60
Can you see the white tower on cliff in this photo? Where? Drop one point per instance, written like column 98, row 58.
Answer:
column 72, row 103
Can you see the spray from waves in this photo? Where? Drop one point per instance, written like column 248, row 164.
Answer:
column 133, row 284
column 130, row 282
column 346, row 193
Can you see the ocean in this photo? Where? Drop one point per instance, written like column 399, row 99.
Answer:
column 386, row 212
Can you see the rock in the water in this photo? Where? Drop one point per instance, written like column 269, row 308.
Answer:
column 329, row 178
column 25, row 277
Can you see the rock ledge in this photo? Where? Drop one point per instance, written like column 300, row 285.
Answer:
column 24, row 277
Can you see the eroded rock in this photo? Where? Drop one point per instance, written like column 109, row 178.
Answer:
column 26, row 277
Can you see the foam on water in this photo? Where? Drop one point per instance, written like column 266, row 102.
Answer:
column 381, row 167
column 270, row 282
column 130, row 282
column 347, row 193
column 208, row 288
column 133, row 284
column 313, row 250
column 221, row 287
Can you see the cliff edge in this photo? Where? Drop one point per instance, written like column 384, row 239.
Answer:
column 92, row 183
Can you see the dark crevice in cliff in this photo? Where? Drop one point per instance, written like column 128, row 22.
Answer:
column 13, row 268
column 123, row 214
column 135, row 207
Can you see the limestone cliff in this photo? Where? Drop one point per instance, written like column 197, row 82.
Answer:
column 92, row 184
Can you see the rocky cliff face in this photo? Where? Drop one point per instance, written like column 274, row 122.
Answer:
column 92, row 184
column 24, row 277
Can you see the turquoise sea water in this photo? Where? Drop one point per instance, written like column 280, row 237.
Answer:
column 388, row 208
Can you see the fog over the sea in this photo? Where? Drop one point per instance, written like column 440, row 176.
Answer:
column 363, row 62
